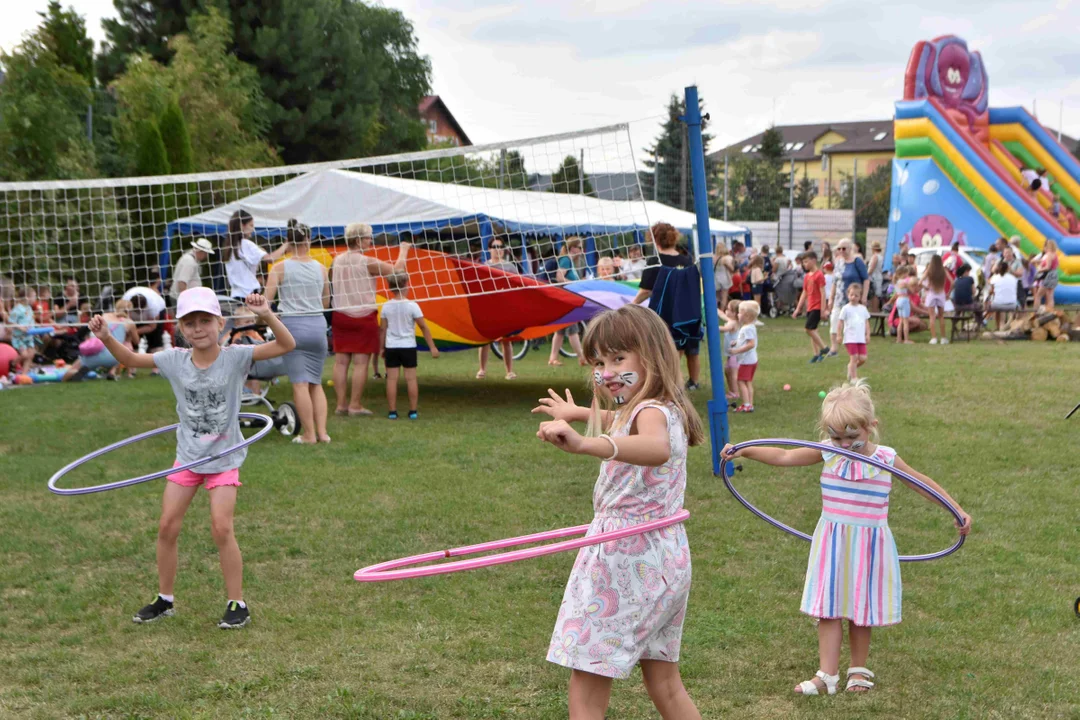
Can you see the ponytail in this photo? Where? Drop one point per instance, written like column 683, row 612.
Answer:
column 297, row 232
column 239, row 219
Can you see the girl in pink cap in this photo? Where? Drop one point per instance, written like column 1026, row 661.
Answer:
column 207, row 380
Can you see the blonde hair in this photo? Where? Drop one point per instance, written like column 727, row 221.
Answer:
column 733, row 306
column 356, row 232
column 848, row 405
column 397, row 281
column 751, row 307
column 1050, row 246
column 244, row 312
column 637, row 329
column 122, row 308
column 571, row 242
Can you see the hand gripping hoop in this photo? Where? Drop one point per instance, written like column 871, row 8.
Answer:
column 389, row 570
column 727, row 470
column 268, row 427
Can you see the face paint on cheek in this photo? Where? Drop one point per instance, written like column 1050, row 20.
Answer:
column 858, row 445
column 598, row 377
column 629, row 378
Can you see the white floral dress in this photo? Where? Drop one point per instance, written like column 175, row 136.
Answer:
column 625, row 600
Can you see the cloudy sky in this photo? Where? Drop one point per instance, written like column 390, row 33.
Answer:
column 519, row 69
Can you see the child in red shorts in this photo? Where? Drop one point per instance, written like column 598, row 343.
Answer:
column 854, row 327
column 746, row 351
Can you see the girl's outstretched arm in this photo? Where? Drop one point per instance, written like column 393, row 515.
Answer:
column 568, row 410
column 123, row 355
column 965, row 528
column 796, row 457
column 283, row 341
column 650, row 447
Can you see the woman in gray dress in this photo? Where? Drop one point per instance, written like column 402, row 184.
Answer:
column 305, row 293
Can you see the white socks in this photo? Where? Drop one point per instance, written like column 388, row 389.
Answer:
column 169, row 598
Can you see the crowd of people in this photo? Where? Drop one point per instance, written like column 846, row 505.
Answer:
column 840, row 285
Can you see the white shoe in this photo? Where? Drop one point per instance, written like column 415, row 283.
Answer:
column 933, row 341
column 944, row 341
column 808, row 687
column 758, row 323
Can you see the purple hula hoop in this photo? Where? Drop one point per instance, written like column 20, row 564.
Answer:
column 727, row 470
column 152, row 476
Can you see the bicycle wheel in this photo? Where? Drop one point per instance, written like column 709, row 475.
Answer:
column 571, row 353
column 518, row 349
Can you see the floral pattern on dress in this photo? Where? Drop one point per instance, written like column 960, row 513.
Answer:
column 626, row 599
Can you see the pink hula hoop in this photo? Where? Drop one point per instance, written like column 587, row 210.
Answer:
column 402, row 569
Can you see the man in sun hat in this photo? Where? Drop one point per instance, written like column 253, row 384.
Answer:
column 187, row 275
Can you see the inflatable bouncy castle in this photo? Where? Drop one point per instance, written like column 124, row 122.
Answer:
column 963, row 169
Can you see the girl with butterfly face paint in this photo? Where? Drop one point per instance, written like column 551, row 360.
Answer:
column 625, row 603
column 854, row 570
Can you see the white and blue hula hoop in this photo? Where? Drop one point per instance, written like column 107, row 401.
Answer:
column 269, row 426
column 727, row 470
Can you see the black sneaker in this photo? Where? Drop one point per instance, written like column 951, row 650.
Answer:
column 692, row 386
column 392, row 415
column 236, row 616
column 154, row 611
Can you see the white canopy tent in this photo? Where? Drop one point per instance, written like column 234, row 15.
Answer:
column 328, row 200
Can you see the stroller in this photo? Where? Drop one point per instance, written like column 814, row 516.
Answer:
column 266, row 372
column 784, row 293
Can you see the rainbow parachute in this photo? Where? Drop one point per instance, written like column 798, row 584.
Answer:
column 468, row 304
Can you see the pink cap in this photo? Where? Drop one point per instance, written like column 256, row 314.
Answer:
column 199, row 299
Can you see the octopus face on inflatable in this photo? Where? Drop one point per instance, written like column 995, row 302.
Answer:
column 953, row 71
column 932, row 231
column 945, row 69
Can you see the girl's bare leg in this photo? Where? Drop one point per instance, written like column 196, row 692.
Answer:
column 589, row 695
column 666, row 690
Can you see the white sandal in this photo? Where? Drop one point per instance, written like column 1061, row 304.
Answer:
column 807, row 687
column 859, row 682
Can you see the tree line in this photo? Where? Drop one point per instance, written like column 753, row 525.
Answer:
column 203, row 85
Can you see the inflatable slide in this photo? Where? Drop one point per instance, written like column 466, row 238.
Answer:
column 963, row 171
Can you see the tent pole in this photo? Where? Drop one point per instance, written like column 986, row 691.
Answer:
column 718, row 407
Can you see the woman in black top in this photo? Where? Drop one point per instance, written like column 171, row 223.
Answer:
column 666, row 238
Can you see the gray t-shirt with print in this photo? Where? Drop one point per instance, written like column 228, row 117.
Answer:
column 208, row 405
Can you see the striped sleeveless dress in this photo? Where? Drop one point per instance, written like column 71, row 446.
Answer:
column 854, row 568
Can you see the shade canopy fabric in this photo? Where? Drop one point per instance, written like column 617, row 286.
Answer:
column 328, row 200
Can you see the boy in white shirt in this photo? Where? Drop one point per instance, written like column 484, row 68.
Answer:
column 745, row 350
column 854, row 325
column 398, row 340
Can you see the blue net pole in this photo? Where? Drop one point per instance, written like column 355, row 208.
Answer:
column 718, row 406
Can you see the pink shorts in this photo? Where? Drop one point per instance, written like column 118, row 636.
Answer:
column 856, row 348
column 733, row 363
column 190, row 478
column 935, row 300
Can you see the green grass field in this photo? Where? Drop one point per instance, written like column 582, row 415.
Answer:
column 988, row 633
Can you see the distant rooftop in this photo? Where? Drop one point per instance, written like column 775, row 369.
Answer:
column 862, row 136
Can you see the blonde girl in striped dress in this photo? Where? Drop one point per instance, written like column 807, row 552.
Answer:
column 854, row 568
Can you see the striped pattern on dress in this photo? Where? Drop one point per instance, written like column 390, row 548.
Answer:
column 854, row 568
